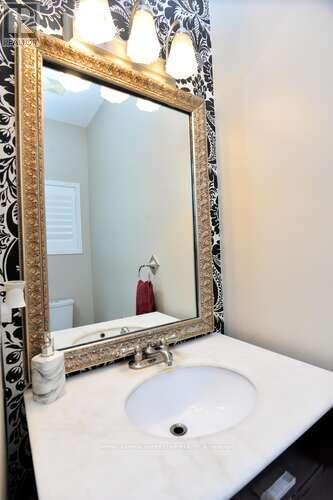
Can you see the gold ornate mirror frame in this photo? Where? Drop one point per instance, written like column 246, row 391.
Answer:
column 104, row 67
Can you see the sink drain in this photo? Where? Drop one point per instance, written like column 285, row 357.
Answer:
column 178, row 430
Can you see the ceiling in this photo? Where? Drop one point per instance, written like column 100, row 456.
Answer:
column 75, row 108
column 79, row 107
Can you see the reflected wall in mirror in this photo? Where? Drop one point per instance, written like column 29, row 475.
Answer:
column 118, row 190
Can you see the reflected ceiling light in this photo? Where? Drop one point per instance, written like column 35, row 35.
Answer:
column 113, row 96
column 51, row 82
column 73, row 83
column 148, row 106
column 93, row 22
column 182, row 62
column 143, row 46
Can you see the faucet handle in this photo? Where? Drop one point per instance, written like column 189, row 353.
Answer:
column 138, row 353
column 128, row 351
column 171, row 339
column 166, row 341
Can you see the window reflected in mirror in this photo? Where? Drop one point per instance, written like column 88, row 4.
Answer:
column 118, row 192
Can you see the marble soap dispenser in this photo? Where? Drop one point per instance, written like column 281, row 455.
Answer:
column 48, row 373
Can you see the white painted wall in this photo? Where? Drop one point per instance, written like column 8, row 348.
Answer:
column 3, row 452
column 66, row 159
column 274, row 89
column 141, row 204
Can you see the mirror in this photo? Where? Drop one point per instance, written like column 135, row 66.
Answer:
column 118, row 192
column 114, row 204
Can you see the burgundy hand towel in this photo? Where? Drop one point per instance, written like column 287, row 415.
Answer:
column 145, row 301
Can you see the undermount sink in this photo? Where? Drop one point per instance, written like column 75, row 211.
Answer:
column 191, row 402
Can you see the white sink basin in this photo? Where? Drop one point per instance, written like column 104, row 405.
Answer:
column 198, row 400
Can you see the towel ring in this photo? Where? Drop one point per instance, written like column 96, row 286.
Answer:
column 143, row 267
column 153, row 266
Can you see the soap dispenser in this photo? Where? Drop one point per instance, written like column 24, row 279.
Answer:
column 48, row 373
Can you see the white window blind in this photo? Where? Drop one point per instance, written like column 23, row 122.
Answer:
column 63, row 217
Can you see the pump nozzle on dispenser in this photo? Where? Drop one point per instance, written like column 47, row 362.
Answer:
column 48, row 345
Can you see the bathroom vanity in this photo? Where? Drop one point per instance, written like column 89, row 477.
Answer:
column 192, row 420
column 107, row 440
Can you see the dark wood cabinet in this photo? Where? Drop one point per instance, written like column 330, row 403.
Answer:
column 310, row 460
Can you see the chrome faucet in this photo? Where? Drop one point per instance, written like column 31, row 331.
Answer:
column 166, row 354
column 152, row 354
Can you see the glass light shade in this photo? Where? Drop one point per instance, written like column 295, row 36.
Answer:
column 182, row 62
column 147, row 106
column 113, row 96
column 73, row 83
column 93, row 22
column 14, row 294
column 143, row 46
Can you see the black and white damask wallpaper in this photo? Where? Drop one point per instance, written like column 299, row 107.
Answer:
column 194, row 15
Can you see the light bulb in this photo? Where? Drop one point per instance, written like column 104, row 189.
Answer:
column 73, row 83
column 93, row 22
column 143, row 46
column 148, row 106
column 113, row 96
column 182, row 62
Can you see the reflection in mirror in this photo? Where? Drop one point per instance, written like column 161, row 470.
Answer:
column 118, row 191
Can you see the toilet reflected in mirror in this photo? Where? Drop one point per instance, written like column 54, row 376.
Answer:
column 61, row 314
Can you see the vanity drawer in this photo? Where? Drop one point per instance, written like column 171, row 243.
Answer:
column 293, row 461
column 310, row 460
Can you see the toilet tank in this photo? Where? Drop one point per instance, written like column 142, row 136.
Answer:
column 61, row 314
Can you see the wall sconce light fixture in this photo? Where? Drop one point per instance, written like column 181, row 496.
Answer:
column 181, row 58
column 14, row 299
column 143, row 46
column 93, row 22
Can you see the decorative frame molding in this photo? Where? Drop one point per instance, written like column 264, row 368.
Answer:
column 101, row 66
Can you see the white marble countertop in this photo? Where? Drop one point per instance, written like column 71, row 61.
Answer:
column 85, row 448
column 91, row 333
